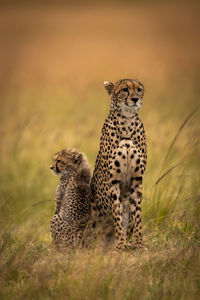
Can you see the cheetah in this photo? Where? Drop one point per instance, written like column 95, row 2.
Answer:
column 116, row 184
column 72, row 198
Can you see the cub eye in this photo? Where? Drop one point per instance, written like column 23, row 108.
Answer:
column 125, row 90
column 58, row 161
column 139, row 89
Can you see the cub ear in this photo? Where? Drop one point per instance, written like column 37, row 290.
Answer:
column 78, row 158
column 108, row 86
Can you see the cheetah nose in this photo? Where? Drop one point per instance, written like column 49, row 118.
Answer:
column 51, row 167
column 135, row 100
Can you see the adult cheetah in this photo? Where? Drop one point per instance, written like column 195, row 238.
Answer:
column 72, row 198
column 116, row 184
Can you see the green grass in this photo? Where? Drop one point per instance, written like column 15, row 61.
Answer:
column 37, row 124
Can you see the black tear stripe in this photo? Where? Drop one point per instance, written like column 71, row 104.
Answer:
column 57, row 170
column 120, row 91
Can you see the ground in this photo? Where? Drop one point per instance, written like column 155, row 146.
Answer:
column 42, row 112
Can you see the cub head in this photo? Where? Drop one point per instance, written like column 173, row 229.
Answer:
column 71, row 159
column 126, row 95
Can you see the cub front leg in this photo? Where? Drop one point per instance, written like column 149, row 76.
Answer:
column 117, row 210
column 59, row 195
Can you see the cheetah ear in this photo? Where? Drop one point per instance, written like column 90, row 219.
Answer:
column 78, row 158
column 108, row 86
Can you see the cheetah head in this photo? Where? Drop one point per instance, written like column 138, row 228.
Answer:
column 70, row 158
column 126, row 95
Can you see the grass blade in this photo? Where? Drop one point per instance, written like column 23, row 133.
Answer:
column 167, row 172
column 178, row 133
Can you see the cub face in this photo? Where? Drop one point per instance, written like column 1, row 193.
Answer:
column 65, row 158
column 126, row 95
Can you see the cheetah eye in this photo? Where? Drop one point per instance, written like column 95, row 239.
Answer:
column 139, row 89
column 125, row 90
column 58, row 161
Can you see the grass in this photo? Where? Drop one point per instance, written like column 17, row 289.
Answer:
column 30, row 267
column 53, row 99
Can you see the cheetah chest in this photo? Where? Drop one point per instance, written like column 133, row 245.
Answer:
column 124, row 165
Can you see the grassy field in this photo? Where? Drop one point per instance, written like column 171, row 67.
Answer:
column 54, row 61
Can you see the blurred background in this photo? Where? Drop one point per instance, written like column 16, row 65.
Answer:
column 78, row 45
column 54, row 58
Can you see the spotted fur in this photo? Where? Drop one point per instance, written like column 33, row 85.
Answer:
column 72, row 198
column 116, row 184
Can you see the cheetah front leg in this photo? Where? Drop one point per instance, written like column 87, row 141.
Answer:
column 134, row 231
column 117, row 210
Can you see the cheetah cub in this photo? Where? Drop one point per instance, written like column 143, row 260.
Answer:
column 72, row 198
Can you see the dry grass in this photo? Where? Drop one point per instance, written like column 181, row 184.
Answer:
column 54, row 60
